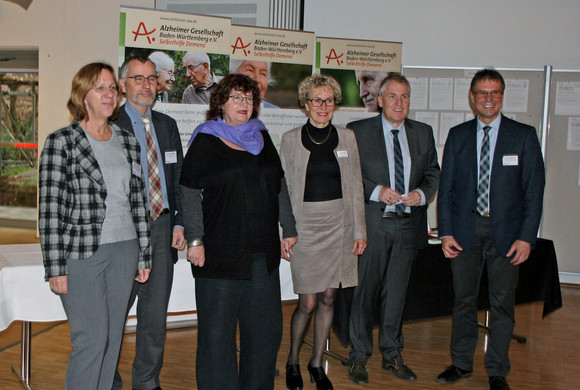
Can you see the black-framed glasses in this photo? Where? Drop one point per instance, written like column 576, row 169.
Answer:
column 317, row 102
column 238, row 99
column 140, row 79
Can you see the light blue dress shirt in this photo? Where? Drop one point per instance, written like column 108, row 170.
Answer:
column 403, row 141
column 492, row 141
column 139, row 129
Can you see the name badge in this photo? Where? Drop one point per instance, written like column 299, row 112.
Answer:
column 170, row 157
column 341, row 154
column 136, row 168
column 510, row 160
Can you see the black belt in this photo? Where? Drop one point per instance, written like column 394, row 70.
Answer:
column 392, row 214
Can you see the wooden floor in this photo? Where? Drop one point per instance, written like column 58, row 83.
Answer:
column 549, row 360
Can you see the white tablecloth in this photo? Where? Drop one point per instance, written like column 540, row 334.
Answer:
column 25, row 296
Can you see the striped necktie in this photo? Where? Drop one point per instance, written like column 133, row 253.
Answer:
column 399, row 170
column 155, row 194
column 484, row 173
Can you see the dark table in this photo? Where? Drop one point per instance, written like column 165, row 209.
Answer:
column 430, row 291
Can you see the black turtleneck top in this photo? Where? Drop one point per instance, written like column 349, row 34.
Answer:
column 322, row 173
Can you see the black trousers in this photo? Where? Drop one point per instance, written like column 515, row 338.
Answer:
column 503, row 280
column 256, row 304
column 383, row 275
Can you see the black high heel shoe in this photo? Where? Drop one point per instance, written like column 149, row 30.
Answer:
column 317, row 375
column 293, row 377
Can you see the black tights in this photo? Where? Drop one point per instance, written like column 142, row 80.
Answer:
column 323, row 303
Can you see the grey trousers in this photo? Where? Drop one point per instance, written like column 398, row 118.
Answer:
column 96, row 305
column 152, row 309
column 383, row 275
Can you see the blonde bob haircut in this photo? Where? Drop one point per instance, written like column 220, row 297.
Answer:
column 85, row 80
column 317, row 81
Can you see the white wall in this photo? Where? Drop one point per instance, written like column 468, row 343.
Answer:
column 462, row 33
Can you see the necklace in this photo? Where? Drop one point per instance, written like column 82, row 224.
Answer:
column 319, row 142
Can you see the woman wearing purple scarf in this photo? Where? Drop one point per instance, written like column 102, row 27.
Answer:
column 234, row 188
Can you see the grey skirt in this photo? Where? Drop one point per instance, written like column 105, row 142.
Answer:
column 323, row 255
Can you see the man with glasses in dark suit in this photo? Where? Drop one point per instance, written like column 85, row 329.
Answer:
column 489, row 208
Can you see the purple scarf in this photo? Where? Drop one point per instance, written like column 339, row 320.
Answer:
column 246, row 136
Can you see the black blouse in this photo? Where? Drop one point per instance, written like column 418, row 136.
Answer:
column 322, row 172
column 240, row 205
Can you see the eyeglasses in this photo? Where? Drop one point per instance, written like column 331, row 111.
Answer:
column 171, row 73
column 102, row 88
column 140, row 79
column 495, row 94
column 191, row 68
column 317, row 102
column 238, row 99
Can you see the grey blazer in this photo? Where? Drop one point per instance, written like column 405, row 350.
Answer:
column 295, row 156
column 375, row 168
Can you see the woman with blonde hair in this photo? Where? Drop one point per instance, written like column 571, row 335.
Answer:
column 322, row 169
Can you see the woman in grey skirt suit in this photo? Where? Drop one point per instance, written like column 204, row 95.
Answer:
column 322, row 169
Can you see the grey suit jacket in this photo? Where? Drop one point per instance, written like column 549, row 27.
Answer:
column 295, row 156
column 375, row 168
column 169, row 140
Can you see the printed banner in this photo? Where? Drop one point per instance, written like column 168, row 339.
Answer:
column 359, row 67
column 152, row 29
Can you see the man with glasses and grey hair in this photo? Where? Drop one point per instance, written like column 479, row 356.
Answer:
column 202, row 79
column 165, row 68
column 161, row 160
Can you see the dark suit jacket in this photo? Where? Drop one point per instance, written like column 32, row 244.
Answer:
column 375, row 168
column 169, row 140
column 516, row 191
column 72, row 193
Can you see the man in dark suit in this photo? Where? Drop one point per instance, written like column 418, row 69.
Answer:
column 400, row 174
column 489, row 208
column 138, row 80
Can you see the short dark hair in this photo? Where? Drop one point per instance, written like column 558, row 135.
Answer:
column 222, row 91
column 394, row 76
column 85, row 80
column 487, row 74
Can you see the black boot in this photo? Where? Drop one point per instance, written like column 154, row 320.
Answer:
column 293, row 377
column 317, row 375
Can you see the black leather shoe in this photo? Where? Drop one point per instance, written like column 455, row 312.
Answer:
column 358, row 373
column 317, row 375
column 498, row 383
column 293, row 377
column 453, row 374
column 400, row 369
